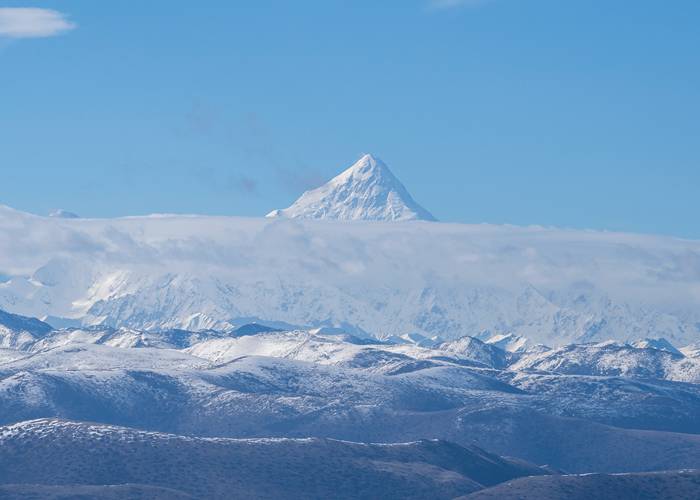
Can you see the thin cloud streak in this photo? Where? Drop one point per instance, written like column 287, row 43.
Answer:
column 225, row 183
column 33, row 23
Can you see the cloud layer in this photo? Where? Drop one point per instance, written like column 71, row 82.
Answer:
column 32, row 23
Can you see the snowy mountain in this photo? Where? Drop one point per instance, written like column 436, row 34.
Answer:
column 475, row 349
column 17, row 332
column 509, row 342
column 365, row 191
column 613, row 359
column 660, row 344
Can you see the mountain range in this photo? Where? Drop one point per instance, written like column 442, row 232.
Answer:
column 254, row 409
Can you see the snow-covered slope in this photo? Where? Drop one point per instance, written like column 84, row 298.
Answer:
column 660, row 344
column 612, row 359
column 122, row 337
column 475, row 349
column 365, row 191
column 691, row 351
column 509, row 342
column 349, row 352
column 449, row 280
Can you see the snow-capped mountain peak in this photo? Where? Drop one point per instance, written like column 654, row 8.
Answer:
column 63, row 214
column 660, row 344
column 365, row 191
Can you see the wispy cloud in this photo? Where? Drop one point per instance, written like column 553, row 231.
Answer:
column 300, row 179
column 225, row 182
column 201, row 120
column 448, row 4
column 32, row 23
column 294, row 175
column 244, row 184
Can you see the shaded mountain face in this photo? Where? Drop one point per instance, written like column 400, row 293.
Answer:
column 650, row 485
column 20, row 323
column 20, row 331
column 365, row 191
column 60, row 452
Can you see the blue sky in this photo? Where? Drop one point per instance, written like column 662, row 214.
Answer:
column 573, row 113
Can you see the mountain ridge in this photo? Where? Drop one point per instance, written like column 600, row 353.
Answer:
column 92, row 453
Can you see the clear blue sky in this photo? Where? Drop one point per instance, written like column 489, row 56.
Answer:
column 574, row 113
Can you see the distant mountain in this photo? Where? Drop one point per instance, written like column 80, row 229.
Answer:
column 613, row 359
column 365, row 191
column 660, row 344
column 122, row 337
column 20, row 331
column 509, row 342
column 63, row 214
column 415, row 339
column 252, row 329
column 474, row 349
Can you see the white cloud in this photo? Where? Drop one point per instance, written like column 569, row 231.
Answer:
column 32, row 23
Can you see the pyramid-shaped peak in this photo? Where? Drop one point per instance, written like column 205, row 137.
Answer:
column 369, row 159
column 369, row 162
column 366, row 167
column 365, row 191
